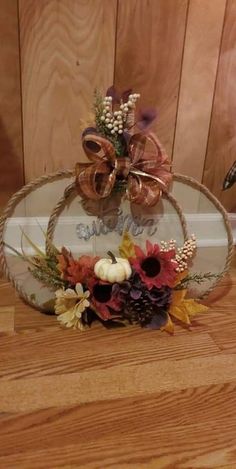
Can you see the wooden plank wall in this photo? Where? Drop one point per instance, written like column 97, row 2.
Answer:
column 179, row 54
column 221, row 151
column 67, row 49
column 145, row 64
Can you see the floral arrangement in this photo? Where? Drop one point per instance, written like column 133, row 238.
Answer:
column 146, row 287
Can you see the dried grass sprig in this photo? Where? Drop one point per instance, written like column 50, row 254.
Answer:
column 195, row 278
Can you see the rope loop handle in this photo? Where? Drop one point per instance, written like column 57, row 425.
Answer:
column 70, row 190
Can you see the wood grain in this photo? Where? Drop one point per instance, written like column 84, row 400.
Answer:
column 130, row 399
column 115, row 382
column 54, row 361
column 11, row 160
column 201, row 52
column 67, row 49
column 150, row 39
column 162, row 419
column 7, row 314
column 222, row 138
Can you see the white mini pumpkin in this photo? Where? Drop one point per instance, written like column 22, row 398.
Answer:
column 113, row 270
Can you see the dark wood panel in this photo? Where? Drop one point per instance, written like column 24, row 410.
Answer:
column 198, row 76
column 11, row 160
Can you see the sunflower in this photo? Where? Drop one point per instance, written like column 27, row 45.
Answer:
column 70, row 304
column 156, row 268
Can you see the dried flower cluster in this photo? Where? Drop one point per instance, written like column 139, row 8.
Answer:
column 116, row 117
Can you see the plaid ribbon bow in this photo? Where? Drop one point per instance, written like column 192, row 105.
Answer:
column 146, row 172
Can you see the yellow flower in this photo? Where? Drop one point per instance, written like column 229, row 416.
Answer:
column 70, row 305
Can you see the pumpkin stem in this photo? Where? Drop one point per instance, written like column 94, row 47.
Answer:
column 114, row 261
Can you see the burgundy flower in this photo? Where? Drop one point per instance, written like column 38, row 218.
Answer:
column 105, row 299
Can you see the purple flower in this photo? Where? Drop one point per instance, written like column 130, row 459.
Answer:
column 127, row 136
column 89, row 130
column 146, row 118
column 132, row 287
column 161, row 297
column 148, row 307
column 158, row 320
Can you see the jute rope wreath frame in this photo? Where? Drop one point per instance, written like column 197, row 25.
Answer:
column 18, row 196
column 14, row 200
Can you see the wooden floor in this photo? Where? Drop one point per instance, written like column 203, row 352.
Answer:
column 130, row 399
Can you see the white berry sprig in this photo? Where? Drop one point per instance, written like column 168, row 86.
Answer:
column 115, row 121
column 183, row 254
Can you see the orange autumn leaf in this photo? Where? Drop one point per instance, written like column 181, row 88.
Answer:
column 182, row 308
column 193, row 307
column 169, row 326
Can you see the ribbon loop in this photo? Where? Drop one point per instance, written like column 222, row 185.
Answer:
column 97, row 148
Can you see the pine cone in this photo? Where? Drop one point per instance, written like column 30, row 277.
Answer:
column 140, row 311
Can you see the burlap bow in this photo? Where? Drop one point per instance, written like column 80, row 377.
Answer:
column 146, row 173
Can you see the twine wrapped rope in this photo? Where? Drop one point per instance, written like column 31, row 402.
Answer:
column 203, row 189
column 8, row 211
column 18, row 196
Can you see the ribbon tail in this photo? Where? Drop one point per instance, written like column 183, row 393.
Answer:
column 150, row 170
column 143, row 190
column 161, row 182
